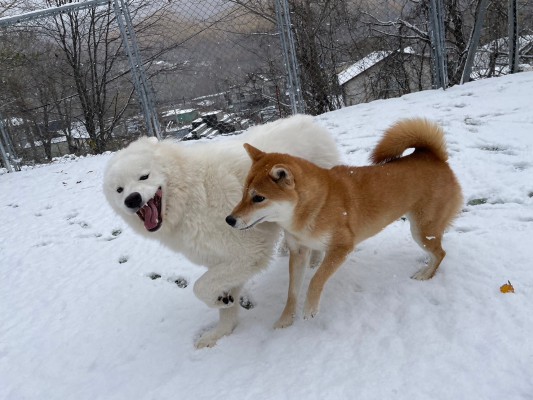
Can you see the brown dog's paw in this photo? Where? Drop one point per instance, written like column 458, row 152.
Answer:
column 284, row 322
column 310, row 311
column 424, row 274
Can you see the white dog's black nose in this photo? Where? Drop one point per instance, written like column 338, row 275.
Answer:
column 134, row 200
column 230, row 220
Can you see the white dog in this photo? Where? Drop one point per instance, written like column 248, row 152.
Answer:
column 181, row 193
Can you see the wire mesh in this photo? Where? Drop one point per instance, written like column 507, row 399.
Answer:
column 66, row 87
column 75, row 82
column 215, row 66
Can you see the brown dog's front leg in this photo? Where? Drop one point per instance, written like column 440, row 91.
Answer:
column 299, row 259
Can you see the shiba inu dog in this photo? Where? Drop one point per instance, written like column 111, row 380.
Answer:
column 335, row 209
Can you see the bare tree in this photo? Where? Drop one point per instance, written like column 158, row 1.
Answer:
column 91, row 46
column 463, row 22
column 320, row 45
column 7, row 5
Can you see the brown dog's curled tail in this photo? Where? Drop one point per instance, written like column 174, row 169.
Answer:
column 416, row 133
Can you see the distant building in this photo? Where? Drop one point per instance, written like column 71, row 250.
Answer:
column 256, row 93
column 177, row 122
column 59, row 143
column 214, row 123
column 179, row 116
column 384, row 74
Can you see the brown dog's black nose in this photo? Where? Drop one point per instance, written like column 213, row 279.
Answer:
column 230, row 220
column 134, row 200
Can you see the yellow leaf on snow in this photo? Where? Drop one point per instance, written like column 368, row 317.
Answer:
column 507, row 288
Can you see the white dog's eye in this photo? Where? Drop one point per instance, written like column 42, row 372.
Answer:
column 258, row 199
column 119, row 190
column 144, row 177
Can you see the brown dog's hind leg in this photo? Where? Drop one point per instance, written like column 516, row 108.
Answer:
column 429, row 238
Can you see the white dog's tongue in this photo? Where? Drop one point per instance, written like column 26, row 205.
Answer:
column 151, row 215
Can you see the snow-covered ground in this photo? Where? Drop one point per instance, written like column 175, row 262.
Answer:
column 81, row 319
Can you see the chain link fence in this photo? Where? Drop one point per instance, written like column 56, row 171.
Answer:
column 89, row 76
column 215, row 67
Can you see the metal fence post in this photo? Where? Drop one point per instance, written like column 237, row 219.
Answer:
column 289, row 56
column 4, row 156
column 7, row 151
column 474, row 40
column 513, row 37
column 140, row 82
column 438, row 46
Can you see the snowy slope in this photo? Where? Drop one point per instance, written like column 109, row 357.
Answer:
column 81, row 319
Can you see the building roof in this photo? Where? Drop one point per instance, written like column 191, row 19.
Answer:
column 178, row 111
column 362, row 65
column 365, row 63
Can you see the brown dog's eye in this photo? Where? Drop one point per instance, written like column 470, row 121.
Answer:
column 144, row 177
column 257, row 199
column 119, row 190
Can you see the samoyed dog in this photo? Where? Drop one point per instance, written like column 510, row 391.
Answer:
column 180, row 194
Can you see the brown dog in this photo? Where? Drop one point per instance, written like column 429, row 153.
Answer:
column 335, row 209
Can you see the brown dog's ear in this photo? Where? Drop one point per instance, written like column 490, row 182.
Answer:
column 254, row 153
column 282, row 175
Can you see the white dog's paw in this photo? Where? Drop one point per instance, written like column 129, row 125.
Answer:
column 208, row 339
column 225, row 300
column 424, row 274
column 284, row 321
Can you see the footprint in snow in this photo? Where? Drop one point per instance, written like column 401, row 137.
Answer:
column 477, row 202
column 498, row 149
column 521, row 166
column 71, row 215
column 89, row 235
column 153, row 276
column 115, row 233
column 246, row 303
column 179, row 281
column 464, row 229
column 473, row 121
column 42, row 244
column 83, row 224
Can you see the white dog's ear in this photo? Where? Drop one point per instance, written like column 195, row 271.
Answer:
column 282, row 175
column 153, row 139
column 254, row 153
